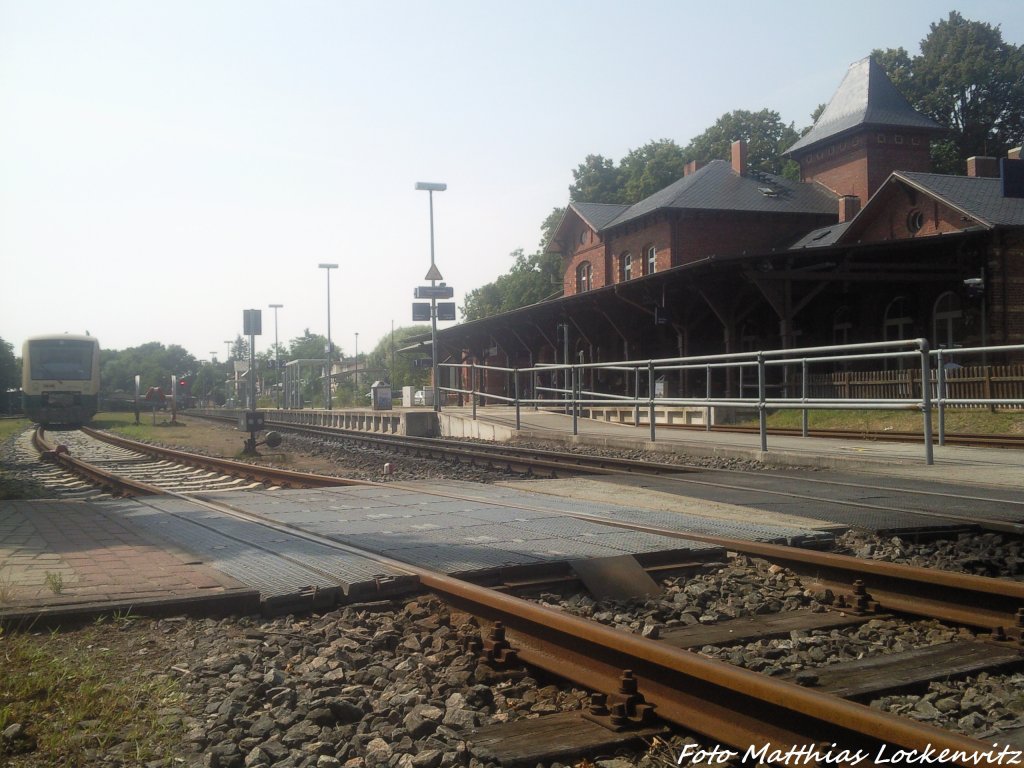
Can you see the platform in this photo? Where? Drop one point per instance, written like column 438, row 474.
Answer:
column 985, row 466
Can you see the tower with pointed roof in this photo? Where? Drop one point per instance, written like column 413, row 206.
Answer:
column 867, row 131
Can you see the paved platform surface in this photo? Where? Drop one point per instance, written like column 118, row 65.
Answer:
column 983, row 466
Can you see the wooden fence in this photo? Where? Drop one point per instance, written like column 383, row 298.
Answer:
column 997, row 382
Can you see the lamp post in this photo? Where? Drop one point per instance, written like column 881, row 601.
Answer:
column 330, row 355
column 277, row 357
column 357, row 366
column 230, row 371
column 433, row 276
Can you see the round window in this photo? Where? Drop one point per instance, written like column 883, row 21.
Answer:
column 915, row 220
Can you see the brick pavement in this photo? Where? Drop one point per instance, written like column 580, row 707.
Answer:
column 55, row 554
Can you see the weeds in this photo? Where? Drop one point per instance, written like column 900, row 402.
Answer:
column 55, row 581
column 72, row 694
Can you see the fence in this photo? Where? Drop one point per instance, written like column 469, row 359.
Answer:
column 782, row 372
column 967, row 383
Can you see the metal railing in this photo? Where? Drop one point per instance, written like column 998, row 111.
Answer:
column 784, row 372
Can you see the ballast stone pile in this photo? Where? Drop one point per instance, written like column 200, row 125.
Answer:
column 981, row 554
column 358, row 687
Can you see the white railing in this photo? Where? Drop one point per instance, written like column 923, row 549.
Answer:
column 758, row 372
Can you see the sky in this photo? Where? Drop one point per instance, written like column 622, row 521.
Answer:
column 166, row 165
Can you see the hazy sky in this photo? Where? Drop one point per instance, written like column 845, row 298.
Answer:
column 166, row 165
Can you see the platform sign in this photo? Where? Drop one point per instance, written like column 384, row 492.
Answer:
column 446, row 310
column 252, row 322
column 420, row 312
column 433, row 292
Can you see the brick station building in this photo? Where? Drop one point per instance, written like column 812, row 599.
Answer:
column 868, row 246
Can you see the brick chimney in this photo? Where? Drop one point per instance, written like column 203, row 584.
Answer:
column 739, row 157
column 692, row 167
column 983, row 167
column 849, row 206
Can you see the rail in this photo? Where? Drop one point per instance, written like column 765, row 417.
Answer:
column 774, row 375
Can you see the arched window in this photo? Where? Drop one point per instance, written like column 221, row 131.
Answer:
column 627, row 265
column 652, row 262
column 947, row 320
column 841, row 326
column 584, row 277
column 897, row 324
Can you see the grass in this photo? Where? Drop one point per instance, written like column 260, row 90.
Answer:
column 77, row 699
column 975, row 421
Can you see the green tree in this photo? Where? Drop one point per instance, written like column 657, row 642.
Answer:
column 10, row 369
column 400, row 369
column 154, row 363
column 597, row 180
column 531, row 279
column 766, row 135
column 968, row 79
column 651, row 167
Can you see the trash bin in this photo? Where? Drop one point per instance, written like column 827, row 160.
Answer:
column 381, row 396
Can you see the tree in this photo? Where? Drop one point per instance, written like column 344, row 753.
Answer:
column 651, row 167
column 766, row 135
column 10, row 370
column 531, row 279
column 597, row 180
column 152, row 362
column 968, row 79
column 400, row 368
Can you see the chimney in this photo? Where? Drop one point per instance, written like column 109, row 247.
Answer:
column 849, row 206
column 1011, row 170
column 983, row 167
column 692, row 167
column 739, row 157
column 1013, row 154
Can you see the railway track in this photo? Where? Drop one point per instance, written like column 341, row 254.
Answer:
column 991, row 510
column 128, row 468
column 638, row 679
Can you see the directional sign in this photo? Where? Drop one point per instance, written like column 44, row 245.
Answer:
column 446, row 310
column 433, row 292
column 420, row 312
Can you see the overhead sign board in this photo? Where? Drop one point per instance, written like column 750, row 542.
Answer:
column 252, row 322
column 433, row 292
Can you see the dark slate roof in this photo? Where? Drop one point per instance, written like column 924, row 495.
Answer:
column 980, row 198
column 819, row 238
column 716, row 187
column 865, row 97
column 597, row 215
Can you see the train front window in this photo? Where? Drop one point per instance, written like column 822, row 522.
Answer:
column 63, row 360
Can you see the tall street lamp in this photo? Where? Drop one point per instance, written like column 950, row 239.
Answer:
column 357, row 366
column 330, row 355
column 433, row 276
column 277, row 355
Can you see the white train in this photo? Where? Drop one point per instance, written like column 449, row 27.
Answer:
column 60, row 379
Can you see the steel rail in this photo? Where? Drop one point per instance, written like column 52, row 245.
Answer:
column 557, row 461
column 283, row 477
column 976, row 601
column 727, row 704
column 115, row 484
